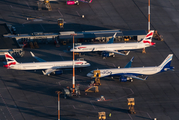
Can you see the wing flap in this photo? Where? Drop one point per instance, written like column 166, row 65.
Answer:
column 135, row 77
column 120, row 53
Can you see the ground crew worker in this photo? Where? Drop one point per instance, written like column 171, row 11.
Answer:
column 157, row 36
column 109, row 114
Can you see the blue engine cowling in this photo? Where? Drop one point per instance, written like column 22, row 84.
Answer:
column 105, row 54
column 123, row 79
column 58, row 72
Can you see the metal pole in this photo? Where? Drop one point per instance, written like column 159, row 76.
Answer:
column 73, row 65
column 148, row 15
column 58, row 92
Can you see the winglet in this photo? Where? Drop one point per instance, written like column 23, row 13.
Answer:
column 44, row 72
column 146, row 78
column 128, row 53
column 32, row 54
column 132, row 59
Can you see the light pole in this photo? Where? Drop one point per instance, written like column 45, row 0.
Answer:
column 143, row 50
column 73, row 82
column 148, row 15
column 58, row 92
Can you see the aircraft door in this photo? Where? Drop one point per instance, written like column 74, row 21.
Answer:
column 96, row 73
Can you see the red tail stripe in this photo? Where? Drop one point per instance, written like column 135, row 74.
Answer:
column 12, row 63
column 151, row 43
column 149, row 34
column 8, row 56
column 6, row 66
column 144, row 41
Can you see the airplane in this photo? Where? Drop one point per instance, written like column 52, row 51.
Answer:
column 76, row 2
column 110, row 48
column 128, row 73
column 49, row 67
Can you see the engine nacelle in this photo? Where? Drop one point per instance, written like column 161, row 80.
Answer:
column 124, row 79
column 58, row 72
column 105, row 54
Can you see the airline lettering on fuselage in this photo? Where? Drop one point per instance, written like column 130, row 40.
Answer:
column 81, row 47
column 106, row 72
column 79, row 63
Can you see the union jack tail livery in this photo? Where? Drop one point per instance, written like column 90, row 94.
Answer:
column 148, row 38
column 10, row 60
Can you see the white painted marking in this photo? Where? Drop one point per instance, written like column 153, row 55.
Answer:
column 27, row 4
column 42, row 27
column 77, row 13
column 114, row 65
column 130, row 116
column 7, row 106
column 37, row 20
column 60, row 13
column 61, row 57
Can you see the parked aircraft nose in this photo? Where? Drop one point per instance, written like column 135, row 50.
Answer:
column 89, row 75
column 88, row 64
column 71, row 50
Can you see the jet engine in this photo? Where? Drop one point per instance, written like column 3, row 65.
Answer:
column 58, row 72
column 125, row 79
column 107, row 54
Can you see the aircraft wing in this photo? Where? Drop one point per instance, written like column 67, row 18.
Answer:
column 48, row 71
column 39, row 59
column 129, row 63
column 112, row 39
column 133, row 76
column 120, row 53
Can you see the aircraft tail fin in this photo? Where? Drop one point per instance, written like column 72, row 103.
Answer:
column 148, row 38
column 166, row 63
column 10, row 60
column 112, row 39
column 129, row 63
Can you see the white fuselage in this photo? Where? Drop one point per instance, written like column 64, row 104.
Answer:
column 122, row 71
column 48, row 65
column 113, row 46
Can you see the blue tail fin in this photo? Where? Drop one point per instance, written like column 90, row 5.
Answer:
column 166, row 63
column 112, row 39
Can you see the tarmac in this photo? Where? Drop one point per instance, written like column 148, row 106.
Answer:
column 29, row 95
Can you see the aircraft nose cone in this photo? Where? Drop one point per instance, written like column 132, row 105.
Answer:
column 88, row 64
column 89, row 75
column 71, row 50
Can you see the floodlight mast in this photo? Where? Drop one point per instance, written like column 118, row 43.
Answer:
column 73, row 82
column 148, row 15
